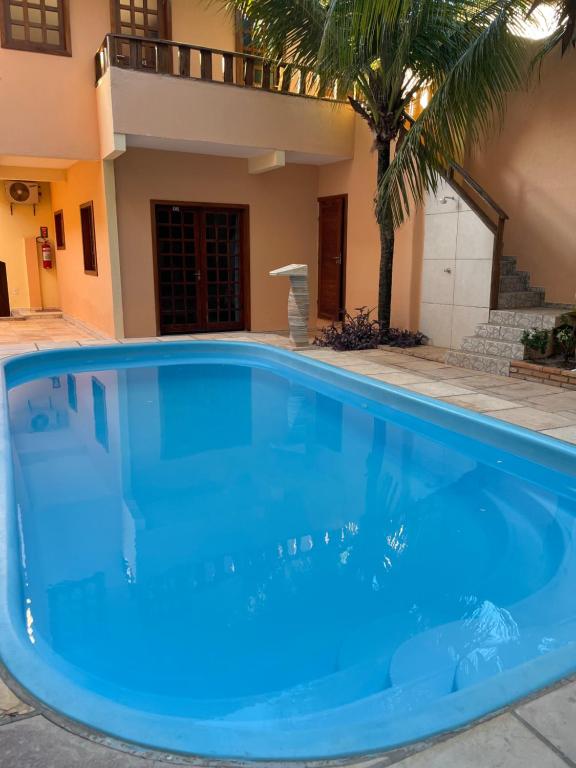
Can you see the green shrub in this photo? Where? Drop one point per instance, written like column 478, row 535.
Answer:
column 565, row 338
column 536, row 339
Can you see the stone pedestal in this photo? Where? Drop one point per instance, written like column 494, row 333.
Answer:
column 298, row 301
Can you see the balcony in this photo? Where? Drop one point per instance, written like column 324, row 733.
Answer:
column 167, row 95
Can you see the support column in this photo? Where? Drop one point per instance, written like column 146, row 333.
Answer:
column 298, row 301
column 114, row 246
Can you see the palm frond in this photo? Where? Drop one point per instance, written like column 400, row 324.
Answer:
column 469, row 100
column 285, row 28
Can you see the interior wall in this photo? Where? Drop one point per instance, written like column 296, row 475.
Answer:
column 15, row 228
column 357, row 179
column 87, row 298
column 529, row 170
column 283, row 225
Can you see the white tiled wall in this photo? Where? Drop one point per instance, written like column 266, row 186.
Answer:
column 456, row 271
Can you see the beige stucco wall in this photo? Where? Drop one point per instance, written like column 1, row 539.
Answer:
column 529, row 170
column 88, row 298
column 224, row 118
column 283, row 225
column 15, row 228
column 357, row 179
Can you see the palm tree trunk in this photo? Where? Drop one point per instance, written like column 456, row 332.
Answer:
column 386, row 242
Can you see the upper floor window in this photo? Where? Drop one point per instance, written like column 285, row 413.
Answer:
column 41, row 26
column 142, row 18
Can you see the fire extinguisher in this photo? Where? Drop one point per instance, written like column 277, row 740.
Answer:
column 45, row 248
column 46, row 255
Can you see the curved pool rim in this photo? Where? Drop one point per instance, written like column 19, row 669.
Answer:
column 49, row 684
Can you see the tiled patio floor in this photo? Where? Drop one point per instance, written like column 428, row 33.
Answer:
column 17, row 334
column 539, row 733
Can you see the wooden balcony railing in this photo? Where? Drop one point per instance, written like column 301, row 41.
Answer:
column 212, row 65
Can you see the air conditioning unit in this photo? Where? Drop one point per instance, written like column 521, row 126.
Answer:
column 22, row 192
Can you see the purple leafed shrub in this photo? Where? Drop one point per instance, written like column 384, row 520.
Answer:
column 395, row 337
column 354, row 332
column 361, row 332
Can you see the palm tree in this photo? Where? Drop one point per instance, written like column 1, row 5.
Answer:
column 383, row 52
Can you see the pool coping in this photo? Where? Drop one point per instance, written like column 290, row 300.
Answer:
column 386, row 757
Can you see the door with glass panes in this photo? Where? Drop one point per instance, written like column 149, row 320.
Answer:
column 199, row 267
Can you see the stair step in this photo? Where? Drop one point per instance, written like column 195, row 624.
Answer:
column 493, row 347
column 478, row 362
column 509, row 318
column 521, row 299
column 519, row 281
column 499, row 332
column 508, row 265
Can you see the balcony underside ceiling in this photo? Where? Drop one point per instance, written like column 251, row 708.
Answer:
column 39, row 169
column 223, row 150
column 25, row 161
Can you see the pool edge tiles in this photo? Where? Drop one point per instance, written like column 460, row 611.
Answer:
column 50, row 684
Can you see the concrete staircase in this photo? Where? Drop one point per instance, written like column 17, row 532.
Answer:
column 496, row 343
column 515, row 289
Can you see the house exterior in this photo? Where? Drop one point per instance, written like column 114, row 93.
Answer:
column 176, row 170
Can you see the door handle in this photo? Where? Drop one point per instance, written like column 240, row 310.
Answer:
column 338, row 259
column 198, row 275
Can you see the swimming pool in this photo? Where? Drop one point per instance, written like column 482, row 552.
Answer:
column 235, row 551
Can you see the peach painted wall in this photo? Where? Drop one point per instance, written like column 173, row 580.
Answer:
column 202, row 23
column 87, row 298
column 529, row 170
column 15, row 228
column 357, row 179
column 283, row 225
column 54, row 97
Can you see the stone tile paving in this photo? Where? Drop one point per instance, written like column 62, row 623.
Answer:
column 554, row 715
column 536, row 734
column 38, row 743
column 10, row 705
column 40, row 329
column 504, row 742
column 568, row 434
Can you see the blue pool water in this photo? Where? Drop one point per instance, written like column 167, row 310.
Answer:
column 231, row 553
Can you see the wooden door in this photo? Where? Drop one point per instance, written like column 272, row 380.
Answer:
column 222, row 265
column 331, row 256
column 4, row 295
column 141, row 18
column 200, row 268
column 150, row 20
